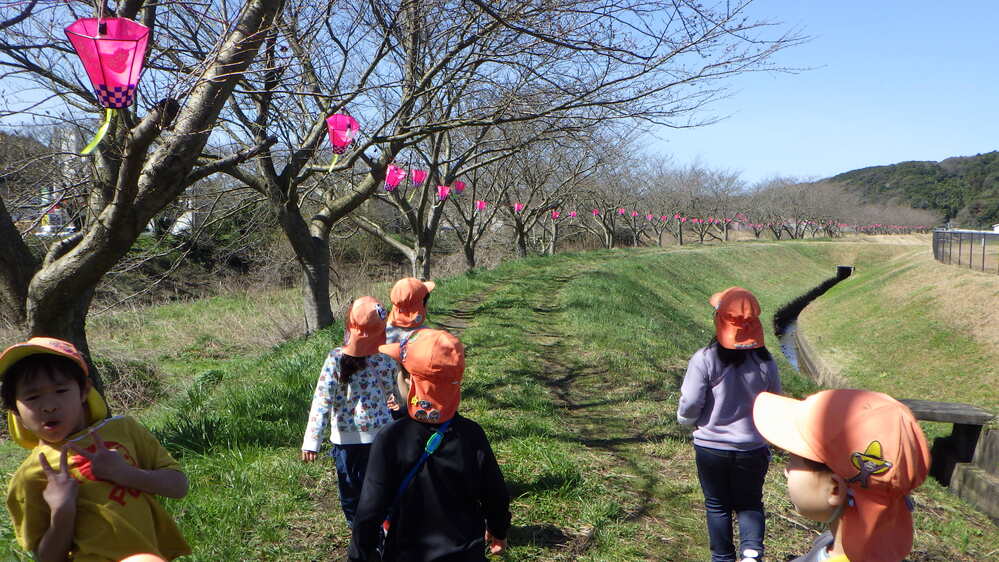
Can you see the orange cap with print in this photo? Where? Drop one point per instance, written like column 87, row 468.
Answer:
column 97, row 409
column 435, row 361
column 365, row 327
column 871, row 441
column 737, row 319
column 408, row 309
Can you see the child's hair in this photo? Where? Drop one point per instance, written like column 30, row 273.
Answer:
column 348, row 366
column 426, row 299
column 735, row 357
column 813, row 466
column 51, row 365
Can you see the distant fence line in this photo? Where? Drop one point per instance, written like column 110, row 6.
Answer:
column 975, row 249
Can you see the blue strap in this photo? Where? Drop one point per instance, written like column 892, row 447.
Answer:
column 432, row 444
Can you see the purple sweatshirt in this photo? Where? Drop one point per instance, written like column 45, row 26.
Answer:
column 718, row 400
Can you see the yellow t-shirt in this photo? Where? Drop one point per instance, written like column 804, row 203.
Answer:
column 112, row 521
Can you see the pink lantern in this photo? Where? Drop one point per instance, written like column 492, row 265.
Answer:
column 480, row 205
column 676, row 216
column 572, row 214
column 555, row 215
column 112, row 51
column 634, row 213
column 596, row 212
column 417, row 176
column 683, row 219
column 518, row 207
column 443, row 191
column 459, row 186
column 343, row 130
column 620, row 211
column 649, row 216
column 664, row 218
column 393, row 176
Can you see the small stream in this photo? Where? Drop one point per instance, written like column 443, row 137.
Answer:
column 787, row 344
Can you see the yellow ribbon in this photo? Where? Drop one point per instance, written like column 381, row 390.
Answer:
column 103, row 130
column 333, row 163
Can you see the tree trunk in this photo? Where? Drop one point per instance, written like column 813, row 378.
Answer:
column 469, row 256
column 521, row 244
column 316, row 290
column 66, row 322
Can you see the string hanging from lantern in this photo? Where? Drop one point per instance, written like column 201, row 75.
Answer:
column 113, row 51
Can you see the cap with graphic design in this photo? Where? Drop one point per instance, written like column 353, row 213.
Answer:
column 365, row 327
column 97, row 409
column 408, row 309
column 870, row 440
column 737, row 319
column 435, row 361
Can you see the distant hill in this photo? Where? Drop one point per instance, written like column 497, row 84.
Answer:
column 964, row 189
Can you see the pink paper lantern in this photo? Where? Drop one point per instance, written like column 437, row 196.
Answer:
column 620, row 211
column 572, row 214
column 393, row 176
column 649, row 216
column 676, row 216
column 417, row 176
column 596, row 212
column 480, row 205
column 664, row 218
column 113, row 51
column 555, row 215
column 634, row 213
column 518, row 207
column 683, row 219
column 443, row 191
column 459, row 186
column 343, row 130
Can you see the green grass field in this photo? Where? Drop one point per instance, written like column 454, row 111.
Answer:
column 573, row 369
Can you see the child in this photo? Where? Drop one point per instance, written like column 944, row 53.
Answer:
column 409, row 307
column 855, row 455
column 86, row 491
column 717, row 396
column 457, row 500
column 352, row 393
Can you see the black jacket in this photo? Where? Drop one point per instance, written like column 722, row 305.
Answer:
column 822, row 542
column 444, row 512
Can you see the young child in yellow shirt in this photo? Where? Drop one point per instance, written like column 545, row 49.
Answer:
column 86, row 491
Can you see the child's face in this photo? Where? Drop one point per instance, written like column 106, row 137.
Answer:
column 813, row 492
column 51, row 405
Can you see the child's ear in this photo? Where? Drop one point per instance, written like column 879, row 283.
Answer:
column 85, row 391
column 837, row 490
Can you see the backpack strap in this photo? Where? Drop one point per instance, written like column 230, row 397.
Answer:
column 432, row 445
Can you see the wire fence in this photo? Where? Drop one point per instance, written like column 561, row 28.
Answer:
column 974, row 249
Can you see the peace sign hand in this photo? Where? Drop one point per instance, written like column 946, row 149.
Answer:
column 61, row 489
column 105, row 464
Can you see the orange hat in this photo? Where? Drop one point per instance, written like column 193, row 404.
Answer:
column 436, row 362
column 737, row 319
column 408, row 310
column 870, row 440
column 97, row 409
column 365, row 327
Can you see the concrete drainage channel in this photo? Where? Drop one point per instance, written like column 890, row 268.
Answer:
column 967, row 461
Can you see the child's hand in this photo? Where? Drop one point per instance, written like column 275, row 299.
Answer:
column 392, row 404
column 309, row 456
column 496, row 546
column 61, row 489
column 106, row 464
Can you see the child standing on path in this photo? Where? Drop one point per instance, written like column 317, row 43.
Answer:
column 456, row 501
column 87, row 490
column 409, row 307
column 352, row 394
column 855, row 455
column 722, row 381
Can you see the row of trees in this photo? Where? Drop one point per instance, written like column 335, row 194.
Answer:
column 523, row 100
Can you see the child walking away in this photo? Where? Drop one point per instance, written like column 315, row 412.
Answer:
column 855, row 456
column 86, row 491
column 717, row 396
column 433, row 480
column 351, row 395
column 409, row 307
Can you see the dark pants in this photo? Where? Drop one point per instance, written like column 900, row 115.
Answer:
column 733, row 481
column 351, row 463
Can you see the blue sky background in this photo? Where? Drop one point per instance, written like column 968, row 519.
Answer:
column 890, row 81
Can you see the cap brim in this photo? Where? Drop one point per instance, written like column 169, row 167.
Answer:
column 15, row 353
column 776, row 418
column 393, row 350
column 430, row 285
column 715, row 299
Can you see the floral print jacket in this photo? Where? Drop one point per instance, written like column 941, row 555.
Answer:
column 356, row 411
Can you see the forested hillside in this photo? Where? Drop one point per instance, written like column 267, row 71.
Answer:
column 964, row 189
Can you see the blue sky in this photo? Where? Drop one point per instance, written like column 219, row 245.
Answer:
column 889, row 81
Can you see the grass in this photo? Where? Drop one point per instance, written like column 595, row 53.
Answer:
column 573, row 370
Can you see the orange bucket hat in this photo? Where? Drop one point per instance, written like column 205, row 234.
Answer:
column 870, row 440
column 408, row 310
column 97, row 409
column 436, row 362
column 365, row 327
column 737, row 319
